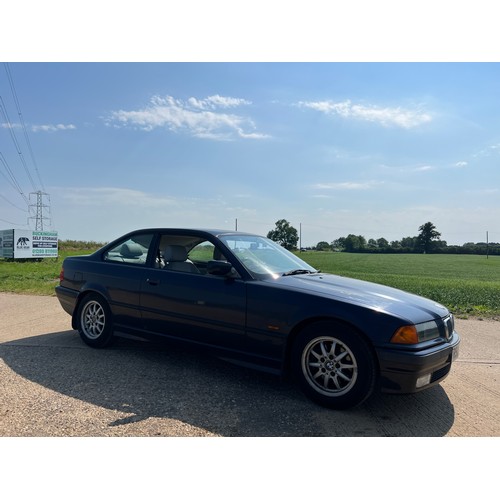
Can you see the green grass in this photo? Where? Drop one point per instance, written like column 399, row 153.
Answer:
column 466, row 284
column 39, row 277
column 469, row 285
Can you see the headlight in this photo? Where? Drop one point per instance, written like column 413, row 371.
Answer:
column 449, row 326
column 413, row 334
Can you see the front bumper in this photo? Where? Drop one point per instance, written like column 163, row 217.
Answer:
column 405, row 371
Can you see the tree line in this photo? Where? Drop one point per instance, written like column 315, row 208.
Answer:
column 428, row 240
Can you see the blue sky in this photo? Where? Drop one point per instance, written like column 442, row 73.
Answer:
column 367, row 148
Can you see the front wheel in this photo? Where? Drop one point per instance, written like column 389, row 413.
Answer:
column 95, row 321
column 333, row 365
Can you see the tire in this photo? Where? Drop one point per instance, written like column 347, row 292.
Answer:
column 333, row 365
column 95, row 322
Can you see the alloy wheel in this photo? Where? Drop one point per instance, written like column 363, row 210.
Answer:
column 329, row 366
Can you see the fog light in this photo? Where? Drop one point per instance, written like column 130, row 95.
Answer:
column 421, row 381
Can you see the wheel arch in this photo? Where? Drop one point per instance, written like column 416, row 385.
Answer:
column 81, row 296
column 299, row 327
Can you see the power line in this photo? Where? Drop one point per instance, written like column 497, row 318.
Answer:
column 26, row 137
column 10, row 203
column 38, row 209
column 13, row 223
column 3, row 109
column 15, row 185
column 12, row 178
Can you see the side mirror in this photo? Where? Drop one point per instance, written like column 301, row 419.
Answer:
column 219, row 268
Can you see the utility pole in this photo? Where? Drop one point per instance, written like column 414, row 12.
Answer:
column 40, row 206
column 487, row 245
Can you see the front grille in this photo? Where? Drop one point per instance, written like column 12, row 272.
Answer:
column 439, row 374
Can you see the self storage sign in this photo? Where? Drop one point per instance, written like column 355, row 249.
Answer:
column 27, row 244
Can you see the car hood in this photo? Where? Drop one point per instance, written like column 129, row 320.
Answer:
column 372, row 295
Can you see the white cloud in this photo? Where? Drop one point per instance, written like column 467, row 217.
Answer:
column 52, row 128
column 217, row 101
column 461, row 164
column 483, row 192
column 347, row 186
column 41, row 128
column 10, row 126
column 490, row 150
column 198, row 117
column 116, row 197
column 400, row 117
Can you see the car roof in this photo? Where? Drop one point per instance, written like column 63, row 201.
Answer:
column 214, row 232
column 192, row 231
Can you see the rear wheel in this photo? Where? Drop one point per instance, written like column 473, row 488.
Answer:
column 333, row 365
column 95, row 321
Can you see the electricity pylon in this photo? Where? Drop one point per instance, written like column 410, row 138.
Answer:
column 40, row 206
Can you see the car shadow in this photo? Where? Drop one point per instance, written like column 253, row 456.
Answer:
column 144, row 380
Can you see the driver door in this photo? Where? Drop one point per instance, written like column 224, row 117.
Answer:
column 186, row 302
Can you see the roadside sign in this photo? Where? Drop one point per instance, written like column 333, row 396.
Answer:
column 28, row 244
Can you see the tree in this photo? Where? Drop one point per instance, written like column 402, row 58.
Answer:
column 338, row 245
column 409, row 243
column 427, row 236
column 355, row 243
column 284, row 234
column 395, row 246
column 372, row 245
column 322, row 246
column 383, row 244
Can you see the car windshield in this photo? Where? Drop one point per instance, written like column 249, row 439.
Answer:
column 264, row 258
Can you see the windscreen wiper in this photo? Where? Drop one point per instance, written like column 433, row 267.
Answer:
column 299, row 271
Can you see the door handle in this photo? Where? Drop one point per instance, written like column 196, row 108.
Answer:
column 153, row 282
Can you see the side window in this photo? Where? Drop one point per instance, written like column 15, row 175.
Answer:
column 206, row 252
column 186, row 254
column 131, row 251
column 202, row 253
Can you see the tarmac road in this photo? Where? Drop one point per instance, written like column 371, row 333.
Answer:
column 51, row 384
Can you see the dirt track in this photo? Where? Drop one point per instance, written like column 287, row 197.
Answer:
column 53, row 385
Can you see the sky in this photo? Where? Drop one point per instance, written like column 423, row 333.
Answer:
column 368, row 148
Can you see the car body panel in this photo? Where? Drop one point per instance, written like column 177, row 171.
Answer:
column 195, row 307
column 370, row 295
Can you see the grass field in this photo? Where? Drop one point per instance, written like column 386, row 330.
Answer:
column 469, row 285
column 38, row 277
column 466, row 284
